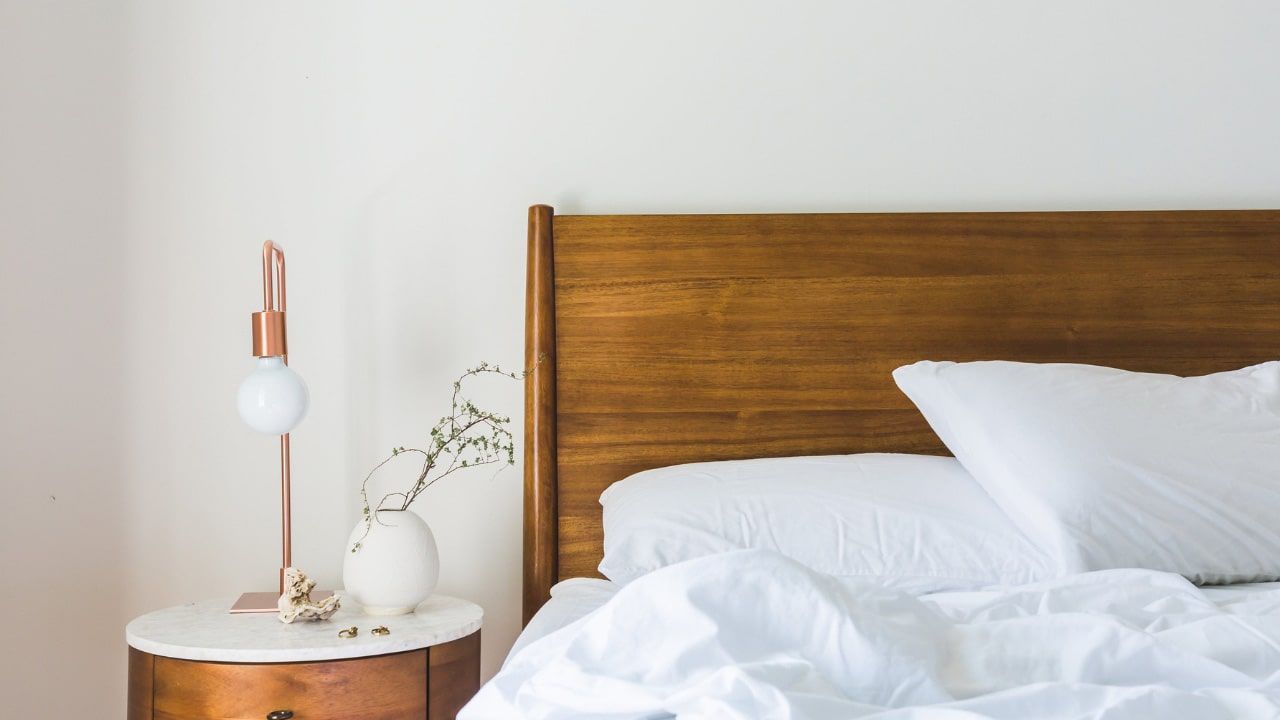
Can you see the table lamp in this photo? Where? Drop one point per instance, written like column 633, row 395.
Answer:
column 273, row 400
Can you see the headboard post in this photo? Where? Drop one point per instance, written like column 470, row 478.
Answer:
column 540, row 516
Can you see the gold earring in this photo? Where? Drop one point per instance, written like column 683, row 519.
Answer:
column 349, row 632
column 380, row 630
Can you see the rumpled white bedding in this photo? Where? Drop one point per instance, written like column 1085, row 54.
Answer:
column 570, row 601
column 753, row 635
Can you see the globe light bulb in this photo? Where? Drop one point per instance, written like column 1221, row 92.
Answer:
column 273, row 399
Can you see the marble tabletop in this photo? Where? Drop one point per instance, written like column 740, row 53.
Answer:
column 206, row 631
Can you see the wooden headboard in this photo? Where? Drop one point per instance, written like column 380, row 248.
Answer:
column 668, row 339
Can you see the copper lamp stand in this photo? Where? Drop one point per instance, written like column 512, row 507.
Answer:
column 270, row 340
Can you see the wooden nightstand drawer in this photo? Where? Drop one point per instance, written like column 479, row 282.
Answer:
column 386, row 687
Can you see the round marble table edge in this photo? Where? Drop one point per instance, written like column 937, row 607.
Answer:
column 466, row 618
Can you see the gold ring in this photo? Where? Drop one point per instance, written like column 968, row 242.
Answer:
column 349, row 632
column 380, row 630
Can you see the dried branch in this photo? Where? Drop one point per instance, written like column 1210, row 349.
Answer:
column 468, row 437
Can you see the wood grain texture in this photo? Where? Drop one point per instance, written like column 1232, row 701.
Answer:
column 540, row 532
column 384, row 687
column 709, row 337
column 141, row 674
column 455, row 676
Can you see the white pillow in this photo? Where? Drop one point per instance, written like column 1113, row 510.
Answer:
column 912, row 522
column 1110, row 469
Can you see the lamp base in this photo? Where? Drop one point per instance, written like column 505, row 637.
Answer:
column 268, row 602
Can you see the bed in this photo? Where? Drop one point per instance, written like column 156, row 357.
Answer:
column 658, row 340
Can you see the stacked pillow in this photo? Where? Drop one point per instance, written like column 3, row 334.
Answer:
column 1106, row 468
column 913, row 522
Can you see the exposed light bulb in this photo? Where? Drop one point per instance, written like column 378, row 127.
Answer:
column 273, row 399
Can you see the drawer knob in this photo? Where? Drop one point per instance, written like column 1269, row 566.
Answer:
column 279, row 715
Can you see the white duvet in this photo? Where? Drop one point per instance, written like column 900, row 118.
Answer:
column 753, row 635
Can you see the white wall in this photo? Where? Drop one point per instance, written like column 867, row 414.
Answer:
column 150, row 146
column 64, row 358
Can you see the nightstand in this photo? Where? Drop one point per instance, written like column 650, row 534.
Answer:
column 198, row 662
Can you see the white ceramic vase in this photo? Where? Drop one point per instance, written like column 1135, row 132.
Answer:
column 397, row 565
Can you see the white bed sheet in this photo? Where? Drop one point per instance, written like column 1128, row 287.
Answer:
column 752, row 635
column 575, row 598
column 571, row 600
